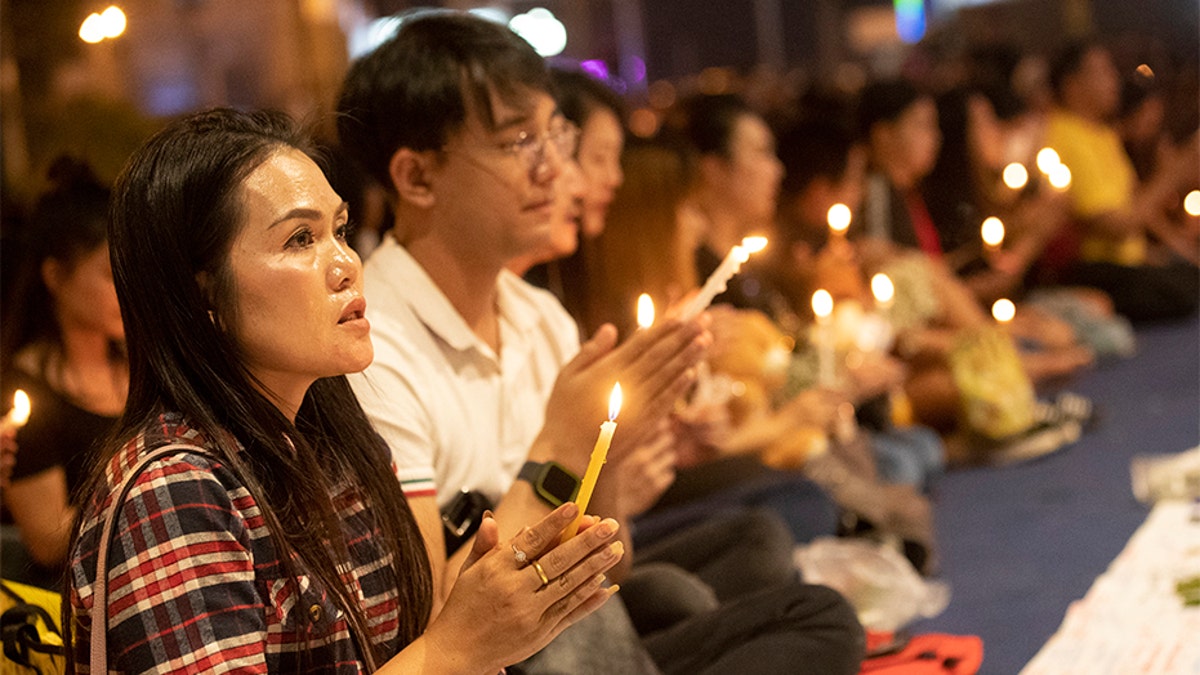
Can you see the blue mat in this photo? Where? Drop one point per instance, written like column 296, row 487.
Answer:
column 1019, row 544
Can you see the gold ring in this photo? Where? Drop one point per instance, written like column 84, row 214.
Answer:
column 537, row 567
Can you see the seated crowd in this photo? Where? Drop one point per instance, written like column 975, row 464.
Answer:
column 407, row 504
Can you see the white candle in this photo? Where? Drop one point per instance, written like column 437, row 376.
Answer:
column 598, row 458
column 718, row 281
column 822, row 304
column 645, row 311
column 18, row 415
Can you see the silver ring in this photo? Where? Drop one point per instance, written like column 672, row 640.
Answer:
column 519, row 555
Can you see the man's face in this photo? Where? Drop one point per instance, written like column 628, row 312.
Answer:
column 497, row 185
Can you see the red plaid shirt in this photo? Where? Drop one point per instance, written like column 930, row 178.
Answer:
column 195, row 583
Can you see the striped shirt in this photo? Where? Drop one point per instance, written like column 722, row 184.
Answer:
column 195, row 582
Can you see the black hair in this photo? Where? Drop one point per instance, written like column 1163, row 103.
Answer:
column 176, row 211
column 68, row 222
column 813, row 148
column 579, row 95
column 885, row 101
column 414, row 89
column 950, row 190
column 708, row 121
column 1068, row 60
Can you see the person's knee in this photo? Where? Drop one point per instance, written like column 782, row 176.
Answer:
column 827, row 615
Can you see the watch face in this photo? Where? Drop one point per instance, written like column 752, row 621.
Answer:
column 559, row 483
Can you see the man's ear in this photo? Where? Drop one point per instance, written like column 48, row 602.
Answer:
column 411, row 174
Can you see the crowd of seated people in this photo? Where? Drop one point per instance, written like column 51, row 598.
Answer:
column 515, row 220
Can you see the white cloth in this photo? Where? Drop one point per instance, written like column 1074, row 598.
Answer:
column 456, row 415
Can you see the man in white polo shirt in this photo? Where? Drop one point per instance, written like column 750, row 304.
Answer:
column 454, row 116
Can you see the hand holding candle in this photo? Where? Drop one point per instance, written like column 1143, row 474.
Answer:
column 719, row 279
column 599, row 456
column 18, row 415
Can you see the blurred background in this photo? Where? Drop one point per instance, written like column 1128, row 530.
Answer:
column 94, row 79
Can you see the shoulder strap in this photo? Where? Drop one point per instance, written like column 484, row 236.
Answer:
column 99, row 659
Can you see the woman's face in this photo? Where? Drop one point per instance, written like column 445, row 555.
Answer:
column 753, row 171
column 600, row 145
column 918, row 136
column 299, row 312
column 84, row 294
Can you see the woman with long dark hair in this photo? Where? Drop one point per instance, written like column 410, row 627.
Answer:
column 274, row 536
column 64, row 346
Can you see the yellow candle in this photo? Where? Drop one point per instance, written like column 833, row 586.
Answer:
column 18, row 415
column 599, row 456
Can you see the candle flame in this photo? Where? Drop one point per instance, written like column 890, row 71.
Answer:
column 822, row 303
column 881, row 287
column 838, row 218
column 614, row 402
column 992, row 231
column 1047, row 159
column 21, row 407
column 1015, row 175
column 1191, row 203
column 1060, row 176
column 1003, row 310
column 754, row 244
column 645, row 311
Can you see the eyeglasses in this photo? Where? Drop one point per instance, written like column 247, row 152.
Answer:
column 530, row 149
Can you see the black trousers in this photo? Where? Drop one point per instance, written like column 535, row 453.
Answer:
column 796, row 628
column 1143, row 292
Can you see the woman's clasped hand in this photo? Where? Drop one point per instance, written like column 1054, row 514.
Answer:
column 500, row 611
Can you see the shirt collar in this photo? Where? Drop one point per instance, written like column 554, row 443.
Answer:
column 412, row 285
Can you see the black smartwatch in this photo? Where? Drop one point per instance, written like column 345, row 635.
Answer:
column 552, row 482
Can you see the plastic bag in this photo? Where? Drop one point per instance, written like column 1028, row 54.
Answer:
column 880, row 583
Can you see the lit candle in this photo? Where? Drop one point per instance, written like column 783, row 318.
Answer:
column 1191, row 203
column 18, row 415
column 719, row 279
column 838, row 218
column 1059, row 177
column 992, row 233
column 1047, row 159
column 1003, row 310
column 883, row 289
column 822, row 304
column 599, row 456
column 1015, row 175
column 645, row 311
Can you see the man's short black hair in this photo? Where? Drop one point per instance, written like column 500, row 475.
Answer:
column 813, row 148
column 414, row 89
